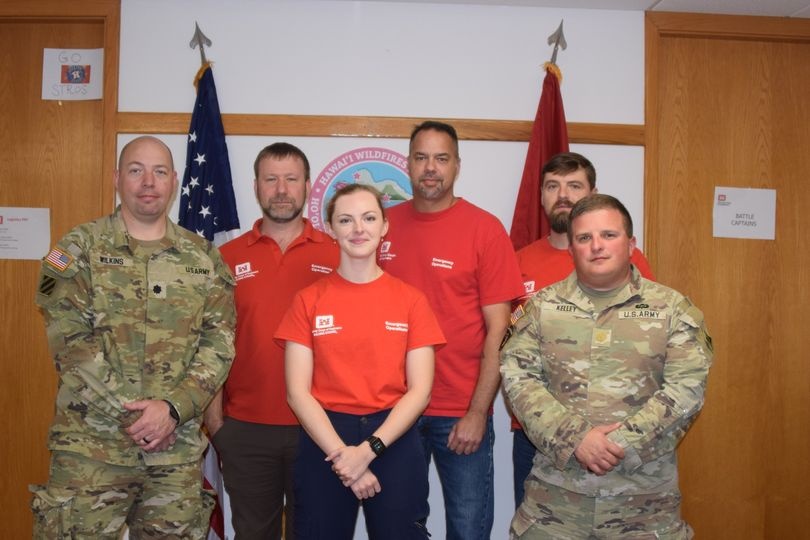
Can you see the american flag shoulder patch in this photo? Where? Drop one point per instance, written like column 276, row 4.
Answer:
column 517, row 314
column 59, row 260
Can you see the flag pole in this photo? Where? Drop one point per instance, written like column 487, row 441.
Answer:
column 557, row 39
column 201, row 40
column 208, row 208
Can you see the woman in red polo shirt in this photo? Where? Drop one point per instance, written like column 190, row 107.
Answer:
column 359, row 370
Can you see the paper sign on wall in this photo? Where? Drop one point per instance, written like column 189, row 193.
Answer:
column 25, row 233
column 72, row 74
column 744, row 213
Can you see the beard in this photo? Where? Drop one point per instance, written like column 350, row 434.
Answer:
column 285, row 214
column 433, row 192
column 559, row 221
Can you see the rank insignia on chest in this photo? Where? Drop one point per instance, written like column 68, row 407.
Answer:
column 601, row 337
column 158, row 289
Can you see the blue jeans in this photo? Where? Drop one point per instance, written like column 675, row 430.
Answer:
column 467, row 481
column 522, row 457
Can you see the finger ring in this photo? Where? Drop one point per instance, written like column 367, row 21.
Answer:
column 147, row 441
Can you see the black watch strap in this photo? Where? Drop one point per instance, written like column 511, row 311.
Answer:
column 173, row 412
column 377, row 446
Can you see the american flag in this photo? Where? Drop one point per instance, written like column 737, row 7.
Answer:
column 208, row 207
column 58, row 259
column 207, row 203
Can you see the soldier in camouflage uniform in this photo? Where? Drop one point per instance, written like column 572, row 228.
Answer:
column 606, row 371
column 140, row 323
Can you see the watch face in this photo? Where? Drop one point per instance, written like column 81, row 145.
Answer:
column 377, row 446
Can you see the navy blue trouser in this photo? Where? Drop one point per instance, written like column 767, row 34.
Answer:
column 326, row 510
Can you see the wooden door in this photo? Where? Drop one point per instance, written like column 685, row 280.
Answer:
column 728, row 105
column 52, row 155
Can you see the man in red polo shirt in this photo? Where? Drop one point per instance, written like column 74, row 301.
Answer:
column 252, row 427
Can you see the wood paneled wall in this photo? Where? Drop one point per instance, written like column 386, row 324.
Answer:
column 56, row 155
column 728, row 105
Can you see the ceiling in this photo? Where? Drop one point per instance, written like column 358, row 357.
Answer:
column 773, row 8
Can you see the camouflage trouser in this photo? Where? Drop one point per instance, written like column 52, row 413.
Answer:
column 553, row 513
column 85, row 498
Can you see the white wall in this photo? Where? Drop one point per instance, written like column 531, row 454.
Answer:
column 396, row 59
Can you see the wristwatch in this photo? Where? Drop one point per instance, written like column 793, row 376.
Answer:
column 377, row 446
column 173, row 412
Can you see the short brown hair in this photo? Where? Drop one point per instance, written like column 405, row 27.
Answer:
column 281, row 150
column 567, row 163
column 598, row 201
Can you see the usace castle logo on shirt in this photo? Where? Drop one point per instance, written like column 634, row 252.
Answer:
column 384, row 253
column 324, row 321
column 382, row 168
column 325, row 324
column 243, row 270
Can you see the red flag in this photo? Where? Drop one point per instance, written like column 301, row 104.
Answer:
column 549, row 137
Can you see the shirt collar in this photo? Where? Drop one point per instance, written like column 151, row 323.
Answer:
column 571, row 291
column 121, row 235
column 308, row 234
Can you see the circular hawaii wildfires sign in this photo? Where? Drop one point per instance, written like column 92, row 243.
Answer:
column 382, row 168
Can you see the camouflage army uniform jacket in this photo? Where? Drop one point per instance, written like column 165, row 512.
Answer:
column 642, row 361
column 121, row 328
